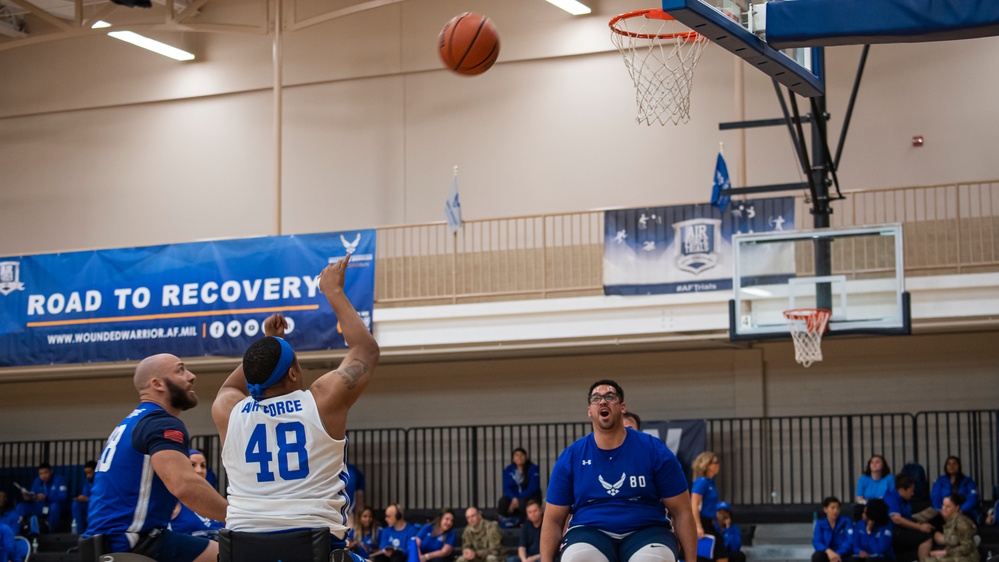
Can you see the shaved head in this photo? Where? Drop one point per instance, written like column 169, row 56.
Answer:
column 165, row 379
column 152, row 367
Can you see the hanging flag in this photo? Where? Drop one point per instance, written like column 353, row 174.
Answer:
column 452, row 207
column 720, row 182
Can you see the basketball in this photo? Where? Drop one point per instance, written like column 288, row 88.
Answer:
column 468, row 44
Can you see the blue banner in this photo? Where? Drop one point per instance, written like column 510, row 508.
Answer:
column 202, row 298
column 683, row 249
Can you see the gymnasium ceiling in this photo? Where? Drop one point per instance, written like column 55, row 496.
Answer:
column 28, row 22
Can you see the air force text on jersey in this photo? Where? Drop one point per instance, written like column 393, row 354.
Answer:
column 274, row 408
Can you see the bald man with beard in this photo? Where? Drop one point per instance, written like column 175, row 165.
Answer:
column 144, row 470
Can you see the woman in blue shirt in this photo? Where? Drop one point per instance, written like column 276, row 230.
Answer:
column 704, row 500
column 437, row 539
column 874, row 483
column 363, row 537
column 521, row 482
column 951, row 481
column 872, row 536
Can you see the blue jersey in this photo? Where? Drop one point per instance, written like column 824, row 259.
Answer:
column 897, row 504
column 399, row 540
column 55, row 490
column 128, row 498
column 709, row 495
column 367, row 544
column 431, row 543
column 619, row 490
column 966, row 487
column 190, row 523
column 876, row 544
column 838, row 538
column 871, row 489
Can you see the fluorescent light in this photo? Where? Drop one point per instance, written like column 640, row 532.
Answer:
column 572, row 6
column 146, row 43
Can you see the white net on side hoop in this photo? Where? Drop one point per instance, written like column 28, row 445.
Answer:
column 660, row 55
column 807, row 326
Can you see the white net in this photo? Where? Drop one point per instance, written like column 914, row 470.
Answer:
column 807, row 326
column 660, row 55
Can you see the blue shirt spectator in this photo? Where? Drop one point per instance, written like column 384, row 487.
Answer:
column 875, row 543
column 7, row 544
column 354, row 488
column 47, row 495
column 897, row 504
column 954, row 481
column 837, row 536
column 437, row 539
column 876, row 480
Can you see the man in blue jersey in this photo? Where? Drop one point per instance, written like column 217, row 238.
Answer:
column 144, row 470
column 617, row 484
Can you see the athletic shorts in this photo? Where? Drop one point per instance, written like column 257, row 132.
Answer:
column 620, row 548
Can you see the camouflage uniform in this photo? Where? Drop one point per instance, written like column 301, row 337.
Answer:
column 959, row 541
column 486, row 540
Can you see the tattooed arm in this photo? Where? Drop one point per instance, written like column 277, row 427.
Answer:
column 337, row 390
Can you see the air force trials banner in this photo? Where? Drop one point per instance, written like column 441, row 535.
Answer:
column 203, row 298
column 683, row 249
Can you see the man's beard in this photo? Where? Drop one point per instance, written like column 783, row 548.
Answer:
column 179, row 398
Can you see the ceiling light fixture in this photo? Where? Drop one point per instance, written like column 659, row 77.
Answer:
column 146, row 43
column 572, row 6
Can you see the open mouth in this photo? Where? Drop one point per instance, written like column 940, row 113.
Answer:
column 604, row 413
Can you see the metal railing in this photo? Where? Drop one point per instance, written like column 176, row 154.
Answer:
column 950, row 228
column 765, row 461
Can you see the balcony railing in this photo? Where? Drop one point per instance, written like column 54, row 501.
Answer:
column 947, row 229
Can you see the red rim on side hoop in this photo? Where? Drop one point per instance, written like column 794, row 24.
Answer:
column 656, row 14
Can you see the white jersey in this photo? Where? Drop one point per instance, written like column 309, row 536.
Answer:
column 284, row 469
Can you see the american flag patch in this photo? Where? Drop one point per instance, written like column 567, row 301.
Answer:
column 174, row 435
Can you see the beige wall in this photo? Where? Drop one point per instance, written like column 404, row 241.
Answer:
column 105, row 145
column 858, row 375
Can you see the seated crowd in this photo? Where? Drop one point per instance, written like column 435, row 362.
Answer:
column 892, row 523
column 888, row 523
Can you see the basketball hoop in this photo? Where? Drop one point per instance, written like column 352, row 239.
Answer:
column 807, row 326
column 660, row 56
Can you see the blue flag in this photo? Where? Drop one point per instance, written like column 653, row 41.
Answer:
column 452, row 207
column 720, row 182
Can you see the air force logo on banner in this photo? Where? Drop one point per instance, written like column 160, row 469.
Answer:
column 697, row 244
column 612, row 489
column 350, row 247
column 10, row 272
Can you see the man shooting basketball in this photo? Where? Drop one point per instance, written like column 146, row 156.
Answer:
column 618, row 485
column 283, row 446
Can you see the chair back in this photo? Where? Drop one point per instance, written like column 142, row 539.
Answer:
column 306, row 545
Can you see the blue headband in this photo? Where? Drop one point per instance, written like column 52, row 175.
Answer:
column 287, row 356
column 194, row 452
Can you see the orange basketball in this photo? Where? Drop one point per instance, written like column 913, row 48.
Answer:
column 469, row 44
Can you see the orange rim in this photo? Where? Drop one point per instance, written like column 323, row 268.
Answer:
column 813, row 317
column 656, row 14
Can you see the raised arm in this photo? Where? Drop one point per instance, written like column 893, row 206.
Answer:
column 337, row 390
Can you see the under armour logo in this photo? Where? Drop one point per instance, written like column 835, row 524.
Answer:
column 612, row 489
column 586, row 462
